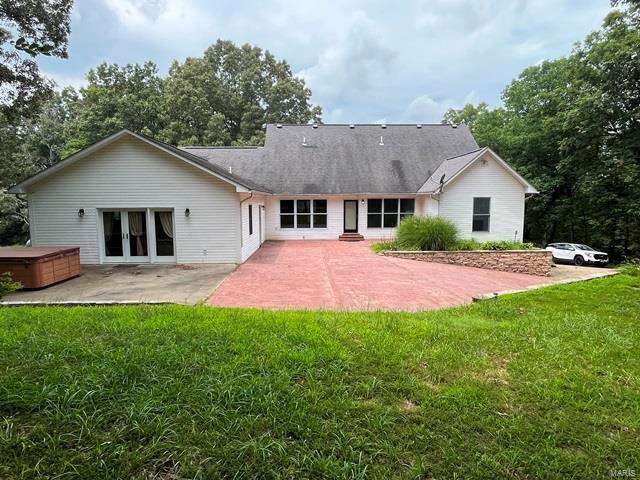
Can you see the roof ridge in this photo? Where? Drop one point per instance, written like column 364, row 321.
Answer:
column 427, row 124
column 222, row 147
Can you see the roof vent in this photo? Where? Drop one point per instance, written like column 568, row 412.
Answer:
column 304, row 141
column 352, row 126
column 419, row 125
column 381, row 141
column 453, row 125
column 315, row 125
column 278, row 125
column 230, row 170
column 384, row 125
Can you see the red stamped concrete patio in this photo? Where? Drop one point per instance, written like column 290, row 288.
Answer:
column 334, row 275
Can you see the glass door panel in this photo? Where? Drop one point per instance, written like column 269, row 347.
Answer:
column 350, row 216
column 163, row 223
column 113, row 234
column 137, row 235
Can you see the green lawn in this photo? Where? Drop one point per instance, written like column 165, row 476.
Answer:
column 537, row 385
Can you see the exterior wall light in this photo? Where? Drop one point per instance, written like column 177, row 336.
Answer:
column 187, row 212
column 362, row 202
column 81, row 213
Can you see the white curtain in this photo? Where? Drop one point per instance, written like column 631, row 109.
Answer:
column 136, row 229
column 166, row 219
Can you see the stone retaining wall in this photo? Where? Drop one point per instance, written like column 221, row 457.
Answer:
column 532, row 262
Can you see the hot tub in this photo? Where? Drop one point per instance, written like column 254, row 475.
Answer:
column 38, row 267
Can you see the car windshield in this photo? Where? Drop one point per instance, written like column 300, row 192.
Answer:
column 585, row 247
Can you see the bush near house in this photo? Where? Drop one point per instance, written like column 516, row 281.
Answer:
column 7, row 285
column 472, row 244
column 437, row 233
column 426, row 233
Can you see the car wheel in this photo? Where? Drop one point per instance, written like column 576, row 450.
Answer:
column 578, row 260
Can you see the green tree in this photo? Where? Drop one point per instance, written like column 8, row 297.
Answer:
column 28, row 145
column 571, row 126
column 467, row 114
column 227, row 96
column 115, row 98
column 41, row 27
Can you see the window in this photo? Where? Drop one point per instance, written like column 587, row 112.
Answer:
column 388, row 212
column 303, row 214
column 250, row 219
column 303, row 217
column 481, row 209
column 287, row 214
column 319, row 214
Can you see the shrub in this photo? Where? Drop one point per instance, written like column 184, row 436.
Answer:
column 386, row 245
column 506, row 245
column 467, row 244
column 471, row 244
column 7, row 285
column 426, row 233
column 631, row 267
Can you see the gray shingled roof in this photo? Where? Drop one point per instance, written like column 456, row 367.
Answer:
column 341, row 159
column 448, row 169
column 214, row 167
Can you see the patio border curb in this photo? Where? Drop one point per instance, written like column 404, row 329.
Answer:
column 86, row 303
column 494, row 295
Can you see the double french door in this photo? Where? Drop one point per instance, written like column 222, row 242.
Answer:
column 138, row 236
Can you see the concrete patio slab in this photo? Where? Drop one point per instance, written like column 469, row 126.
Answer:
column 104, row 284
column 336, row 275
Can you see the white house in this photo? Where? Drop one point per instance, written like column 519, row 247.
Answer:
column 131, row 198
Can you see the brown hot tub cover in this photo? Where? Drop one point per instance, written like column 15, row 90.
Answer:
column 37, row 267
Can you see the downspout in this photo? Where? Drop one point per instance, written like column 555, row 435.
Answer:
column 241, row 232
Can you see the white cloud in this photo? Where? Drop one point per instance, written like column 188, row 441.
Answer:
column 174, row 24
column 352, row 66
column 425, row 109
column 362, row 59
column 62, row 80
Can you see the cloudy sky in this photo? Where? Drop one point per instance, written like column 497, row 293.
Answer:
column 364, row 60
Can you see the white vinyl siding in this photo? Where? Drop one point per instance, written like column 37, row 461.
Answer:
column 485, row 179
column 132, row 174
column 251, row 242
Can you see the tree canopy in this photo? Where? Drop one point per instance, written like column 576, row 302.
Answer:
column 572, row 127
column 41, row 28
column 227, row 96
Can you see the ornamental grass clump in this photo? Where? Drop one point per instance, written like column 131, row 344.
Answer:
column 426, row 233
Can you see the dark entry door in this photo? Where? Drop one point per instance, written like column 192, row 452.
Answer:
column 350, row 216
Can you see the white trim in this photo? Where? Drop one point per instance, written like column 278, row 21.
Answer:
column 155, row 258
column 22, row 186
column 126, row 257
column 295, row 214
column 382, row 212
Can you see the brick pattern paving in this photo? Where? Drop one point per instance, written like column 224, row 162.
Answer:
column 333, row 275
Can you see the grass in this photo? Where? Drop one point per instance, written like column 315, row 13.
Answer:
column 537, row 385
column 379, row 247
